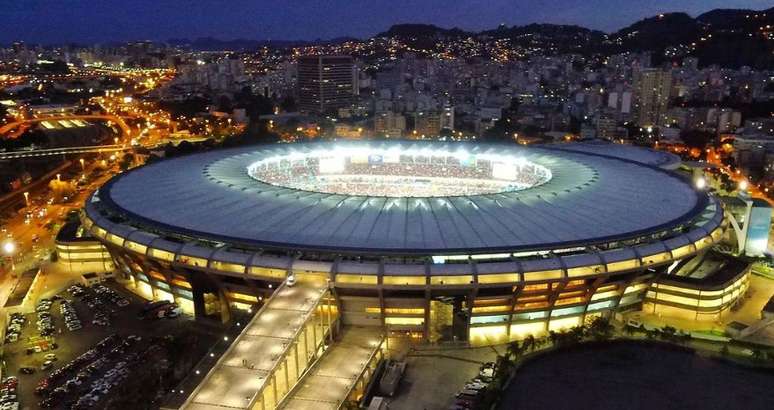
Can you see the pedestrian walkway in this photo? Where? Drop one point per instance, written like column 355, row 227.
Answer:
column 275, row 348
column 339, row 371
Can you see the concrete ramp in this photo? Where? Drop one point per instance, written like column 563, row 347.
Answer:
column 342, row 370
column 267, row 359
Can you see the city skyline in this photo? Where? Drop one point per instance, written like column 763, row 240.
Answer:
column 110, row 20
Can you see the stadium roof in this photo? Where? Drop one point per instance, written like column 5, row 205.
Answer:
column 590, row 199
column 661, row 159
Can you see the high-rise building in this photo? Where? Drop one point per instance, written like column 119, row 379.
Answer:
column 606, row 126
column 653, row 88
column 427, row 123
column 389, row 124
column 325, row 83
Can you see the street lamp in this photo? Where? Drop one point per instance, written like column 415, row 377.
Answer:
column 27, row 198
column 743, row 185
column 59, row 177
column 701, row 183
column 83, row 164
column 9, row 248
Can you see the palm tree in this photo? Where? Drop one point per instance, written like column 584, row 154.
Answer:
column 600, row 328
column 514, row 350
column 553, row 336
column 576, row 334
column 528, row 343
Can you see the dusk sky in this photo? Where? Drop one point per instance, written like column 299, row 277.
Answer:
column 57, row 21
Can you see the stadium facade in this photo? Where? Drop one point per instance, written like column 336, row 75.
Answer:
column 439, row 241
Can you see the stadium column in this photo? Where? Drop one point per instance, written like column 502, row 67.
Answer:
column 596, row 283
column 472, row 295
column 225, row 308
column 199, row 283
column 380, row 292
column 516, row 291
column 334, row 294
column 426, row 327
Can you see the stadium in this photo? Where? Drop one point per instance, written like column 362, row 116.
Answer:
column 432, row 240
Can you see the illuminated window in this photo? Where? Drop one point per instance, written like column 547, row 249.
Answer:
column 192, row 261
column 162, row 254
column 499, row 278
column 601, row 305
column 410, row 321
column 585, row 270
column 530, row 315
column 542, row 275
column 228, row 267
column 682, row 251
column 622, row 265
column 491, row 309
column 268, row 272
column 403, row 280
column 569, row 301
column 241, row 296
column 657, row 258
column 361, row 279
column 115, row 239
column 488, row 319
column 604, row 295
column 533, row 288
column 451, row 280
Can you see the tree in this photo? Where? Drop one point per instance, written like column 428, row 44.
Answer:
column 696, row 138
column 224, row 104
column 126, row 162
column 61, row 189
column 255, row 105
column 668, row 333
column 446, row 132
column 576, row 334
column 288, row 104
column 528, row 343
column 724, row 351
column 554, row 337
column 514, row 350
column 600, row 328
column 502, row 130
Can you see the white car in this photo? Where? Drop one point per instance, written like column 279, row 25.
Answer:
column 291, row 280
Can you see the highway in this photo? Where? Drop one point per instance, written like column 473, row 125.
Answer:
column 62, row 151
column 6, row 129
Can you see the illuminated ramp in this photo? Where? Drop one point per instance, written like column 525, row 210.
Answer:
column 341, row 373
column 272, row 352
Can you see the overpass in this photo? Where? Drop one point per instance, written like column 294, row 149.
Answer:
column 62, row 151
column 4, row 130
column 271, row 354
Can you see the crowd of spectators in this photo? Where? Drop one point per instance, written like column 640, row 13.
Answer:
column 410, row 177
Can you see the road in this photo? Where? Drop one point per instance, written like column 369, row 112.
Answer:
column 62, row 151
column 27, row 230
column 6, row 129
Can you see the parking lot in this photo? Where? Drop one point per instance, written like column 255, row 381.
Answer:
column 420, row 388
column 77, row 324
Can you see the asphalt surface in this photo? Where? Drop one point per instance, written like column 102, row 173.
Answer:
column 74, row 343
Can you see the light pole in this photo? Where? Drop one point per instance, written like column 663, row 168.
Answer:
column 59, row 177
column 9, row 248
column 27, row 198
column 83, row 164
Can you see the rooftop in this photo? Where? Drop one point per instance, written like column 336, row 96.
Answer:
column 590, row 198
